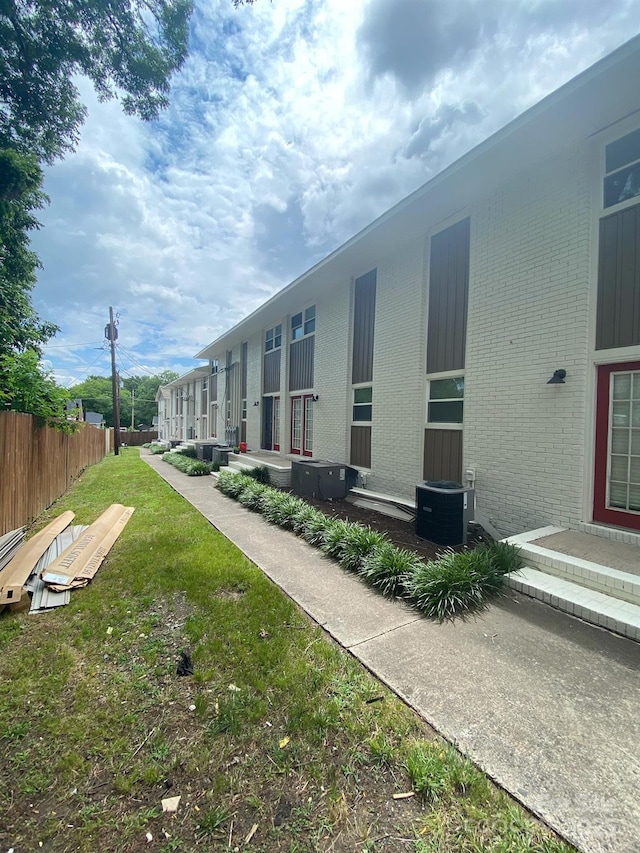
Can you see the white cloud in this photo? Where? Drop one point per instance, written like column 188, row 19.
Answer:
column 292, row 125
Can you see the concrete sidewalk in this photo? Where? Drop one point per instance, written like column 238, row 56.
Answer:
column 547, row 705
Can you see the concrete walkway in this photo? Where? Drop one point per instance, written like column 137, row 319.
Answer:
column 547, row 705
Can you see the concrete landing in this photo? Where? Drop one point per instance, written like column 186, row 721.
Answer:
column 546, row 704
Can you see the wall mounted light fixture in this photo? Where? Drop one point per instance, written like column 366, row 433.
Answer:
column 257, row 403
column 315, row 398
column 558, row 377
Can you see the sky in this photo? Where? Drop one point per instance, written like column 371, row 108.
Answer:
column 292, row 125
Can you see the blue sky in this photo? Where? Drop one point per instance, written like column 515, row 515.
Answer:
column 292, row 125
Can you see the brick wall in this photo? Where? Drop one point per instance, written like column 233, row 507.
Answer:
column 399, row 365
column 332, row 371
column 528, row 315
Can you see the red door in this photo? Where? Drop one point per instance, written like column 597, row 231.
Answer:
column 616, row 497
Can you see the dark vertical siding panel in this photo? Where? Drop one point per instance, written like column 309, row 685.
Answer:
column 271, row 373
column 213, row 387
column 442, row 454
column 364, row 313
column 618, row 311
column 448, row 298
column 361, row 446
column 243, row 359
column 301, row 364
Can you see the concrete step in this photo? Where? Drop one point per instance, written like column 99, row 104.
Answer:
column 279, row 470
column 592, row 606
column 616, row 583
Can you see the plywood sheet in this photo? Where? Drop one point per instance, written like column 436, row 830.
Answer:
column 15, row 574
column 79, row 563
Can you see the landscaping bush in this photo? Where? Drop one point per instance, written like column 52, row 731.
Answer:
column 261, row 474
column 442, row 588
column 314, row 527
column 456, row 582
column 188, row 466
column 190, row 452
column 251, row 495
column 358, row 544
column 505, row 558
column 232, row 483
column 387, row 568
column 334, row 538
column 156, row 449
column 280, row 508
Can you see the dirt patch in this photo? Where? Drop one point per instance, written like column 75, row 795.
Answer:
column 401, row 533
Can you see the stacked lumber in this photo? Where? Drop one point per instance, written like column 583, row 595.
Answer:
column 42, row 572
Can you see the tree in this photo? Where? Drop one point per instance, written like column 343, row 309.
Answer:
column 20, row 195
column 95, row 393
column 26, row 387
column 127, row 48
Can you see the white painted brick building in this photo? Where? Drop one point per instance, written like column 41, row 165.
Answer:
column 422, row 348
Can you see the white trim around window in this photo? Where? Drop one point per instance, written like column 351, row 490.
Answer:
column 448, row 404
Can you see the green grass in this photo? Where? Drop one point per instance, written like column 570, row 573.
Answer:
column 96, row 727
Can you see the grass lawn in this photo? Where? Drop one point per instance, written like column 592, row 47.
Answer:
column 280, row 741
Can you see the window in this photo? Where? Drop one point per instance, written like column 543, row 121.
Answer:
column 276, row 423
column 446, row 400
column 622, row 168
column 273, row 338
column 362, row 404
column 303, row 323
column 214, row 366
column 244, row 410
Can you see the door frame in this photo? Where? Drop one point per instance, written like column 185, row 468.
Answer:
column 304, row 399
column 601, row 513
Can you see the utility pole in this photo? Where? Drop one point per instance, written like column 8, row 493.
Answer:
column 133, row 404
column 111, row 333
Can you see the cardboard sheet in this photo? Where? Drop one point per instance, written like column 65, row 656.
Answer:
column 79, row 563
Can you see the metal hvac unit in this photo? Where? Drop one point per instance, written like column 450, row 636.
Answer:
column 313, row 478
column 443, row 512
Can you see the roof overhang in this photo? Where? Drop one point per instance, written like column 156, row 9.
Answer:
column 587, row 104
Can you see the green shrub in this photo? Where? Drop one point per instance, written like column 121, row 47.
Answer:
column 157, row 448
column 313, row 528
column 358, row 544
column 190, row 452
column 335, row 537
column 387, row 568
column 147, row 445
column 505, row 558
column 280, row 507
column 261, row 474
column 232, row 483
column 188, row 466
column 454, row 583
column 198, row 468
column 251, row 495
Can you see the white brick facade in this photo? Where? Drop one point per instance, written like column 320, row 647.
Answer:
column 533, row 196
column 530, row 277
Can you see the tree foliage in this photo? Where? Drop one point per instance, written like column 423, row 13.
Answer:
column 26, row 387
column 95, row 393
column 20, row 196
column 127, row 48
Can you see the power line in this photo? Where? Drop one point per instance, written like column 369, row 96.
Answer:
column 87, row 369
column 70, row 346
column 134, row 361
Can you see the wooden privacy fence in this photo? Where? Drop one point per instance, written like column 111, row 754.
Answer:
column 135, row 438
column 37, row 465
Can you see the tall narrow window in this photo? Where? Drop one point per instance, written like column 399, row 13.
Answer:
column 622, row 168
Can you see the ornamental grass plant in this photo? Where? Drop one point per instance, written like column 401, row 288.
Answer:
column 388, row 568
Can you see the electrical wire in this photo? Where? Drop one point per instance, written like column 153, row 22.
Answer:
column 70, row 346
column 87, row 369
